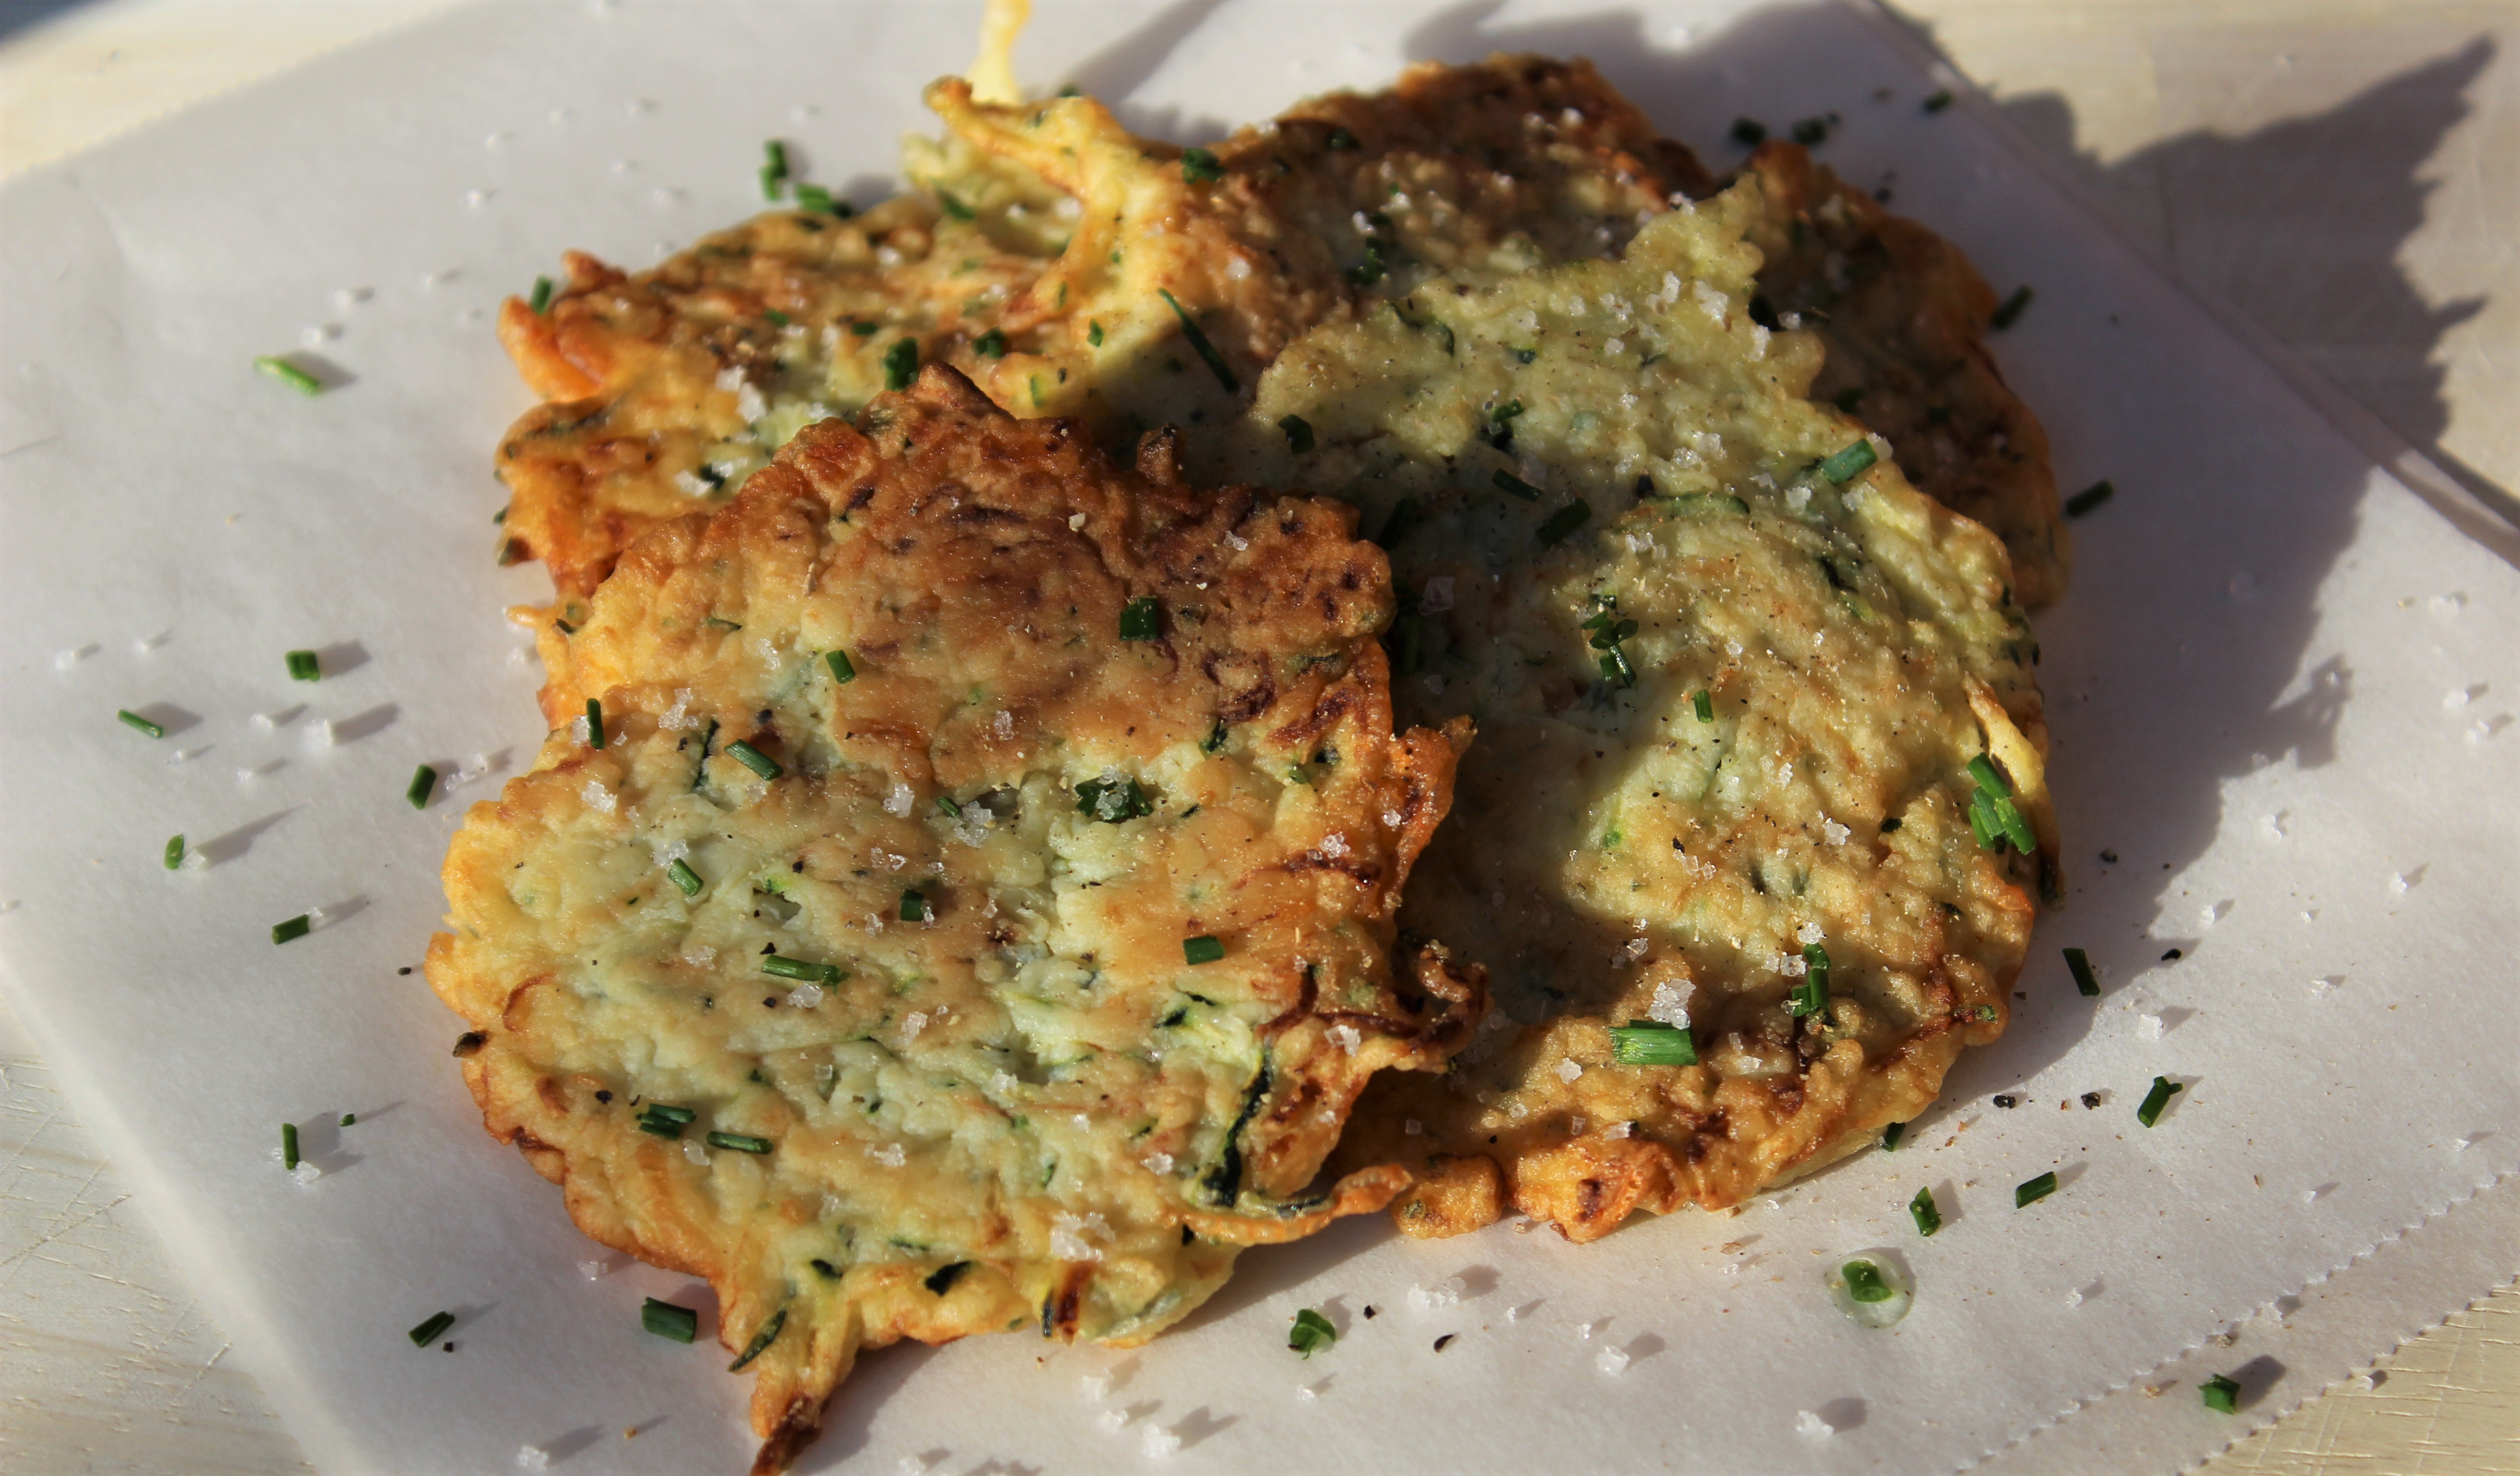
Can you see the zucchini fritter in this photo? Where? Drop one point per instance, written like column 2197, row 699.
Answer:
column 1729, row 671
column 971, row 907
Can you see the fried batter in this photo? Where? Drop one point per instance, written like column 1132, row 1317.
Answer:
column 970, row 908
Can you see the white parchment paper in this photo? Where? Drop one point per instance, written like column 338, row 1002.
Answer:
column 2281, row 689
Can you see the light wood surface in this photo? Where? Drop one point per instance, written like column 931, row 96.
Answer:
column 2339, row 170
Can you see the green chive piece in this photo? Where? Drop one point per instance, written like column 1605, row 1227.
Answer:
column 2079, row 963
column 1563, row 524
column 954, row 207
column 294, row 929
column 1514, row 486
column 1340, row 138
column 1845, row 465
column 1200, row 166
column 916, row 907
column 684, row 876
column 945, row 806
column 1982, row 821
column 843, row 670
column 1311, row 1333
column 174, row 852
column 594, row 723
column 427, row 1333
column 753, row 760
column 741, row 1142
column 667, row 1320
column 2008, row 817
column 821, row 201
column 798, row 969
column 541, row 301
column 1891, row 1135
column 350, row 1119
column 423, row 783
column 1816, row 959
column 777, row 318
column 1369, row 271
column 1941, row 100
column 1204, row 949
column 662, row 1126
column 1983, row 1012
column 1649, row 1043
column 289, row 375
column 2012, row 309
column 305, row 666
column 2163, row 1089
column 1811, row 133
column 289, row 1146
column 773, row 168
column 1983, row 770
column 1138, row 618
column 991, row 345
column 900, row 364
column 1299, row 435
column 864, row 330
column 1615, row 669
column 139, row 724
column 1930, row 1215
column 1704, row 705
column 2089, row 498
column 2220, row 1393
column 667, row 1112
column 1094, row 334
column 1805, row 998
column 2033, row 1191
column 1749, row 133
column 1504, row 412
column 1112, row 803
column 941, row 1281
column 1864, row 1283
column 761, row 1340
column 1200, row 345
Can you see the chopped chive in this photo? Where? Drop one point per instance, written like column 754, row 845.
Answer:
column 955, row 206
column 1615, row 669
column 761, row 1340
column 427, row 1333
column 1647, row 1043
column 1311, row 1333
column 1405, row 518
column 1703, row 703
column 1891, row 1135
column 1215, row 741
column 684, row 876
column 1200, row 345
column 1094, row 334
column 1200, row 166
column 2012, row 309
column 991, row 345
column 742, row 1142
column 1512, row 485
column 305, row 666
column 2033, row 1191
column 423, row 783
column 820, row 201
column 594, row 723
column 798, row 969
column 1138, row 618
column 900, row 364
column 2220, row 1393
column 1864, row 1283
column 1816, row 959
column 1564, row 522
column 1340, row 138
column 1299, row 435
column 916, row 907
column 753, row 760
column 777, row 318
column 1504, row 412
column 825, row 1269
column 2163, row 1089
column 1847, row 463
column 1810, row 131
column 1112, row 803
column 289, row 375
column 1941, row 100
column 289, row 1146
column 541, row 301
column 843, row 670
column 1982, row 821
column 670, row 1113
column 1983, row 1012
column 945, row 806
column 2015, row 828
column 1983, row 770
column 941, row 1281
column 1204, row 949
column 174, row 852
column 774, row 157
column 1749, row 133
column 667, row 1320
column 2079, row 963
column 294, row 929
column 1369, row 271
column 864, row 330
column 2089, row 498
column 350, row 1119
column 1805, row 998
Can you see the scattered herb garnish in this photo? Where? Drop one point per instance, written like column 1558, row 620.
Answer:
column 1340, row 138
column 1941, row 100
column 541, row 301
column 305, row 666
column 289, row 1146
column 684, row 876
column 1983, row 770
column 1703, row 704
column 174, row 852
column 991, row 345
column 1204, row 949
column 900, row 364
column 1891, row 1135
column 1200, row 166
column 941, row 1281
column 2033, row 1191
column 1311, row 1333
column 2079, row 963
column 595, row 722
column 1299, row 435
column 1650, row 1043
column 822, row 201
column 2010, row 309
column 1113, row 802
column 1930, row 1215
column 761, row 1340
column 1812, row 994
column 423, row 783
column 667, row 1320
column 1864, row 1283
column 1846, row 464
column 1200, row 345
column 812, row 973
column 843, row 671
column 2163, row 1089
column 946, row 807
column 774, row 167
column 753, row 760
column 294, row 929
column 289, row 375
column 2220, row 1392
column 916, row 907
column 2089, row 498
column 741, row 1142
column 427, row 1333
column 1094, row 334
column 954, row 207
column 1140, row 618
column 1564, row 522
column 1810, row 131
column 1749, row 133
column 1512, row 485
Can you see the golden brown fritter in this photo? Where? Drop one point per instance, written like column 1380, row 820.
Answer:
column 971, row 907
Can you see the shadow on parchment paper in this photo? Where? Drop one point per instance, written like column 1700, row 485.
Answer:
column 2261, row 698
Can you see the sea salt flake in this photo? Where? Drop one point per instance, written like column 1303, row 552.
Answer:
column 890, row 1155
column 1067, row 1236
column 1413, row 1127
column 695, row 1151
column 597, row 796
column 1835, row 832
column 1812, row 1426
column 594, row 1271
column 1433, row 1298
column 1568, row 1071
column 1618, row 1130
column 2149, row 1026
column 1113, row 1420
column 1158, row 1442
column 699, row 955
column 316, row 737
column 1439, row 595
column 1159, row 1163
column 915, row 1023
column 305, row 1172
column 1346, row 1038
column 577, row 729
column 805, row 997
column 1611, row 1360
column 533, row 1458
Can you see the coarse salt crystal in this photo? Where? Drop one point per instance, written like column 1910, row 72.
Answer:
column 1792, row 966
column 316, row 737
column 1413, row 1127
column 695, row 1151
column 1439, row 595
column 1712, row 302
column 890, row 1155
column 1159, row 1163
column 1670, row 1004
column 305, row 1172
column 1619, row 1130
column 805, row 997
column 1810, row 1425
column 594, row 1271
column 1067, row 1236
column 915, row 1022
column 1569, row 1070
column 2149, row 1026
column 1432, row 1298
column 1158, row 1442
column 1346, row 1038
column 533, row 1458
column 577, row 728
column 1836, row 834
column 1611, row 1360
column 597, row 796
column 699, row 954
column 1113, row 1420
